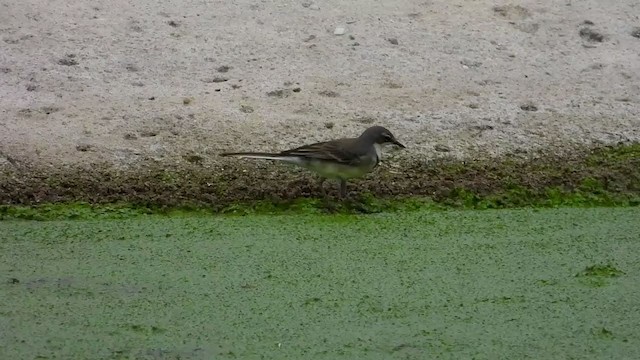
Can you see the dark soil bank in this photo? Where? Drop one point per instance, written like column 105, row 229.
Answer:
column 602, row 176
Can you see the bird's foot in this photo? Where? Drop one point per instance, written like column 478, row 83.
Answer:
column 343, row 189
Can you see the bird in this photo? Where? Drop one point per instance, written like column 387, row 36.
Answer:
column 341, row 159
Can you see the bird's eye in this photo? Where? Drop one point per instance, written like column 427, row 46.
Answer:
column 386, row 136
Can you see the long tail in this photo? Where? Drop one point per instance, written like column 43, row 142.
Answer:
column 259, row 155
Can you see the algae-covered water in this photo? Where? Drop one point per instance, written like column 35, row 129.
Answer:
column 506, row 284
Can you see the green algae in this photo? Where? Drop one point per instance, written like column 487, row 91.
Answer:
column 363, row 204
column 420, row 284
column 602, row 270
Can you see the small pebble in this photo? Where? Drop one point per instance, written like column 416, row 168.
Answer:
column 470, row 63
column 442, row 148
column 393, row 41
column 339, row 31
column 84, row 147
column 591, row 35
column 148, row 133
column 68, row 61
column 247, row 109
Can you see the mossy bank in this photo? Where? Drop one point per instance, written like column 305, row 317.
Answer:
column 604, row 176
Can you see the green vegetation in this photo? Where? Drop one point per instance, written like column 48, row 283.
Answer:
column 364, row 205
column 597, row 275
column 601, row 271
column 456, row 284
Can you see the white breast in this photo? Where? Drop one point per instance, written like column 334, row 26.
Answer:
column 378, row 148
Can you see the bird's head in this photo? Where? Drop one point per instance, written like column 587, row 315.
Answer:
column 380, row 135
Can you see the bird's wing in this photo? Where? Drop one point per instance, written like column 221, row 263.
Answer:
column 334, row 150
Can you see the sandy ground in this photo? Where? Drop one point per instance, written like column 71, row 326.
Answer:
column 125, row 82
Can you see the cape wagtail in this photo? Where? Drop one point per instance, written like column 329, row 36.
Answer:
column 340, row 159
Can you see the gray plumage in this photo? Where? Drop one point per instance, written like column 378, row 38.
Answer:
column 340, row 159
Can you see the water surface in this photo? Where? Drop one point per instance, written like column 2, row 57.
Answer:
column 452, row 284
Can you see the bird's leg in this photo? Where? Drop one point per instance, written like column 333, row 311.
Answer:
column 320, row 184
column 343, row 188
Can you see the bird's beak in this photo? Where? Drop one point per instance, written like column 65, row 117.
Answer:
column 398, row 143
